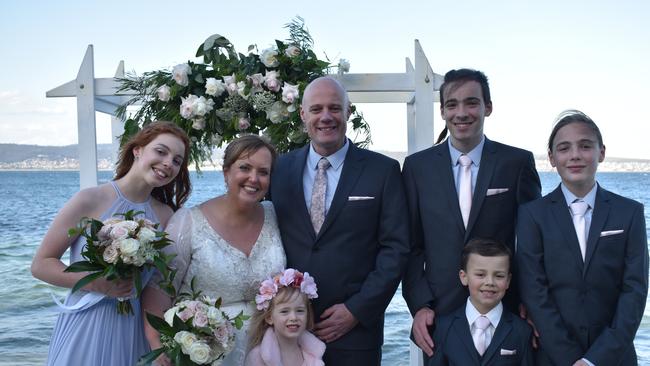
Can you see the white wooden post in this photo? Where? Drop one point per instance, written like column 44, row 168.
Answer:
column 86, row 128
column 117, row 124
column 93, row 95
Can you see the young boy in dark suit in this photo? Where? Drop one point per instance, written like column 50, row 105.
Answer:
column 482, row 332
column 583, row 257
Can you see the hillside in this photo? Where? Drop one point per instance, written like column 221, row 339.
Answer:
column 16, row 156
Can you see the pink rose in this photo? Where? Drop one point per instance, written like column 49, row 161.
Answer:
column 272, row 81
column 186, row 314
column 290, row 93
column 308, row 286
column 287, row 277
column 244, row 123
column 200, row 319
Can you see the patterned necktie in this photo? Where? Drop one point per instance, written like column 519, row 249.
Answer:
column 578, row 210
column 317, row 212
column 465, row 187
column 481, row 325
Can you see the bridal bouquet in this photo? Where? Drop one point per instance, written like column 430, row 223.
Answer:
column 231, row 93
column 195, row 332
column 121, row 248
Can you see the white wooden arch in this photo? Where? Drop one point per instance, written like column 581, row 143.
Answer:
column 416, row 87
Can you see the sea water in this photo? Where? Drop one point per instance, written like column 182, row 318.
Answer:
column 29, row 200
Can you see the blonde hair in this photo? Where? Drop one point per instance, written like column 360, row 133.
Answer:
column 259, row 323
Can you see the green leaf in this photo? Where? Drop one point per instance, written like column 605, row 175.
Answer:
column 150, row 357
column 86, row 280
column 84, row 266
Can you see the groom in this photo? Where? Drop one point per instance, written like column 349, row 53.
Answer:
column 342, row 216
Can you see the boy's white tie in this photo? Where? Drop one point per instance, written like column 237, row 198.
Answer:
column 481, row 325
column 465, row 187
column 578, row 210
column 317, row 210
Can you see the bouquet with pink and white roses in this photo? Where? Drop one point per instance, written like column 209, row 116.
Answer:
column 230, row 93
column 194, row 331
column 121, row 248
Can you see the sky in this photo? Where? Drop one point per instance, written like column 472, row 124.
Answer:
column 540, row 57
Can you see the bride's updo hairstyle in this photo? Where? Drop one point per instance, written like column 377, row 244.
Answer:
column 245, row 146
column 174, row 193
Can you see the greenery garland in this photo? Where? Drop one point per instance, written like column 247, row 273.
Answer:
column 230, row 94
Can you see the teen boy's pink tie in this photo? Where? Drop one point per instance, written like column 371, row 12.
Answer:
column 465, row 187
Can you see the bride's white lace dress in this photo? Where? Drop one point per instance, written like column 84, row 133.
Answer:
column 221, row 270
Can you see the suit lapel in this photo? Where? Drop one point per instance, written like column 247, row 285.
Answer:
column 297, row 190
column 500, row 334
column 564, row 222
column 598, row 218
column 352, row 169
column 462, row 330
column 485, row 171
column 443, row 164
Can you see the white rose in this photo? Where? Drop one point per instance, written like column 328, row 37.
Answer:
column 290, row 93
column 202, row 106
column 169, row 315
column 198, row 123
column 185, row 339
column 164, row 93
column 199, row 352
column 128, row 247
column 214, row 87
column 344, row 65
column 277, row 113
column 241, row 86
column 269, row 57
column 292, row 51
column 272, row 80
column 110, row 254
column 215, row 317
column 187, row 106
column 180, row 73
column 146, row 235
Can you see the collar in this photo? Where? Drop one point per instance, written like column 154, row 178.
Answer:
column 589, row 198
column 494, row 314
column 474, row 154
column 336, row 159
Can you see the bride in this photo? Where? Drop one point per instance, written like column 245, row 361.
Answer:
column 228, row 243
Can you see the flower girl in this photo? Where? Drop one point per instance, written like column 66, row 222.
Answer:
column 279, row 330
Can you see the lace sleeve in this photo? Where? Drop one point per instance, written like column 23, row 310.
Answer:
column 179, row 229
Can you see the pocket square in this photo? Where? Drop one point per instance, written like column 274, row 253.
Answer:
column 508, row 352
column 493, row 191
column 360, row 198
column 611, row 232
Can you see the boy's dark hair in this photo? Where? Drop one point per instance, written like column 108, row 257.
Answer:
column 463, row 76
column 485, row 248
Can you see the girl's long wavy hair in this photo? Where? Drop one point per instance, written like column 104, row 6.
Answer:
column 174, row 193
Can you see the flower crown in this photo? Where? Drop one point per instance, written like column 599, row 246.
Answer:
column 287, row 278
